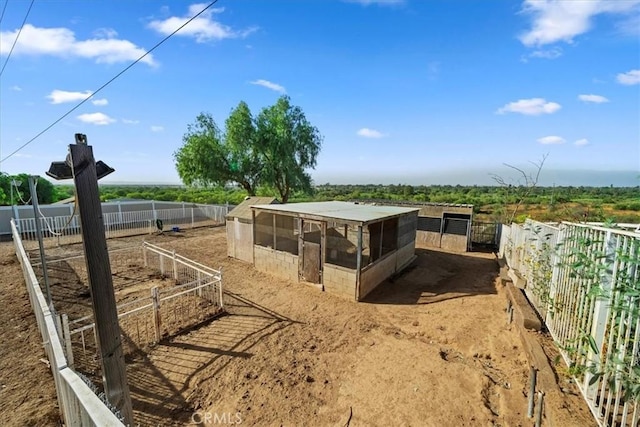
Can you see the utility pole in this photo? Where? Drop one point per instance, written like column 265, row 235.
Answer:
column 82, row 166
column 36, row 217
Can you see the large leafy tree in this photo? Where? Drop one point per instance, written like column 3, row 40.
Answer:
column 274, row 150
column 289, row 145
column 209, row 157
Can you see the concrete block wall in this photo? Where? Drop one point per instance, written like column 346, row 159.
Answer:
column 339, row 281
column 427, row 239
column 376, row 273
column 276, row 263
column 454, row 242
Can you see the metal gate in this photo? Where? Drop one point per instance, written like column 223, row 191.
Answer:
column 485, row 234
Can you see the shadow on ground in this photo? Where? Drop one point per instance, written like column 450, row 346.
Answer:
column 438, row 276
column 160, row 378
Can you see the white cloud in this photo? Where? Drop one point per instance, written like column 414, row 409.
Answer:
column 61, row 96
column 130, row 122
column 16, row 88
column 269, row 85
column 581, row 142
column 370, row 133
column 629, row 78
column 560, row 20
column 105, row 33
column 553, row 53
column 61, row 42
column 552, row 139
column 156, row 128
column 377, row 2
column 96, row 118
column 100, row 102
column 204, row 28
column 596, row 99
column 530, row 107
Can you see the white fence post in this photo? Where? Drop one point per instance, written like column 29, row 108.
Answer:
column 67, row 339
column 192, row 219
column 144, row 254
column 175, row 264
column 601, row 311
column 155, row 296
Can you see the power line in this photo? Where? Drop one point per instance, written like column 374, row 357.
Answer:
column 3, row 10
column 109, row 82
column 18, row 36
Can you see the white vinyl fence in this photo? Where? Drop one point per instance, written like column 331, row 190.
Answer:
column 66, row 229
column 584, row 281
column 78, row 403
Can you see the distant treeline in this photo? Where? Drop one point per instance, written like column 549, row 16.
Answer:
column 621, row 204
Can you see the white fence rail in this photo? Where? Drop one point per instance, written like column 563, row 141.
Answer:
column 78, row 403
column 66, row 229
column 584, row 281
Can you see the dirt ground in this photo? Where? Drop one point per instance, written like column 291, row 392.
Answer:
column 431, row 348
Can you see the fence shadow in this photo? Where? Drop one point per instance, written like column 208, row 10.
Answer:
column 161, row 378
column 439, row 276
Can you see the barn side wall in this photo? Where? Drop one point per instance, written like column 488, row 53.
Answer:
column 454, row 242
column 377, row 273
column 339, row 281
column 276, row 263
column 427, row 239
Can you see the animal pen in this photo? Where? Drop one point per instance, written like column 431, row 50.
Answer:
column 158, row 292
column 344, row 248
column 584, row 282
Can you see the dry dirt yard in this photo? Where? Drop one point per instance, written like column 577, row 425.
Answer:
column 431, row 348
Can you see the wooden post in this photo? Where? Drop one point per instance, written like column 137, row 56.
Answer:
column 275, row 228
column 323, row 250
column 114, row 372
column 155, row 296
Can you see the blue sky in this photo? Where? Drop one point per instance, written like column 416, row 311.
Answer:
column 403, row 91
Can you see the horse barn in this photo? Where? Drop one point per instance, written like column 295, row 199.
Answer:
column 345, row 248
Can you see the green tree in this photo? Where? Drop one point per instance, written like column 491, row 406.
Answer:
column 209, row 157
column 289, row 145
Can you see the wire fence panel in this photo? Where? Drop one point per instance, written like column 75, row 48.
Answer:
column 78, row 404
column 584, row 281
column 192, row 293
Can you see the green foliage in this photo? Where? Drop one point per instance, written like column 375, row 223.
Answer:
column 45, row 190
column 275, row 150
column 208, row 158
column 289, row 145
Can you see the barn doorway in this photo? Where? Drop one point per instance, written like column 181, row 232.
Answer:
column 311, row 251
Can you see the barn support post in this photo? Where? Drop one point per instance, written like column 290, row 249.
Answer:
column 358, row 262
column 300, row 247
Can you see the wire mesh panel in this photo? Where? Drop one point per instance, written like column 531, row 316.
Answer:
column 584, row 280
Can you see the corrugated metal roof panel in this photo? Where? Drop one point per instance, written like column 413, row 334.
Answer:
column 243, row 210
column 339, row 210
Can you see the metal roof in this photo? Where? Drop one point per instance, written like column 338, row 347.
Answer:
column 345, row 211
column 243, row 210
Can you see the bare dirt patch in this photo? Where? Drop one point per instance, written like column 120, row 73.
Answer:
column 431, row 347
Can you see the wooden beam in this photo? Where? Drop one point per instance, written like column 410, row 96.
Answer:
column 358, row 262
column 114, row 374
